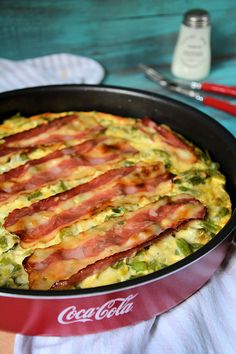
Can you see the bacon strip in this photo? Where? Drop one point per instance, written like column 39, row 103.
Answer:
column 40, row 129
column 54, row 266
column 65, row 137
column 13, row 150
column 20, row 170
column 44, row 135
column 172, row 139
column 54, row 200
column 37, row 173
column 105, row 188
column 101, row 265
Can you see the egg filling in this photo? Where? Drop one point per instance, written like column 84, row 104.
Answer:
column 90, row 199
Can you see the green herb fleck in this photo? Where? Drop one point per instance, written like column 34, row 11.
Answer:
column 138, row 266
column 118, row 265
column 17, row 267
column 164, row 156
column 155, row 265
column 3, row 242
column 134, row 129
column 195, row 246
column 34, row 195
column 118, row 210
column 129, row 163
column 223, row 212
column 65, row 232
column 115, row 213
column 23, row 157
column 184, row 189
column 195, row 180
column 162, row 153
column 63, row 186
column 184, row 246
column 208, row 225
column 193, row 177
column 5, row 261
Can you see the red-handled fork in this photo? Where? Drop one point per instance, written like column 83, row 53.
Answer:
column 218, row 104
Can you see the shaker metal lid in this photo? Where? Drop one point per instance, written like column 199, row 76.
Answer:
column 196, row 18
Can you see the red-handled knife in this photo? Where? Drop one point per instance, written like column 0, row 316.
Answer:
column 215, row 88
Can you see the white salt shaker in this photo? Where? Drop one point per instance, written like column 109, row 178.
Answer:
column 192, row 54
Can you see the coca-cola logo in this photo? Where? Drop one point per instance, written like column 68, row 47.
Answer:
column 115, row 307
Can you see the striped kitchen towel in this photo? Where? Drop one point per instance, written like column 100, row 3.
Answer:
column 49, row 70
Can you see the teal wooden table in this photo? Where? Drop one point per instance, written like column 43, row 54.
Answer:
column 120, row 36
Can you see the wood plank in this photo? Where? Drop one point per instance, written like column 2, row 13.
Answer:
column 117, row 36
column 85, row 10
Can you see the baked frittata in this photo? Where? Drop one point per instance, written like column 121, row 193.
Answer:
column 90, row 199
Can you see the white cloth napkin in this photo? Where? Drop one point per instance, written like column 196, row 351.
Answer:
column 203, row 324
column 48, row 70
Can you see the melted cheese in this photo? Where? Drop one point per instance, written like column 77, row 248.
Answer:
column 202, row 179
